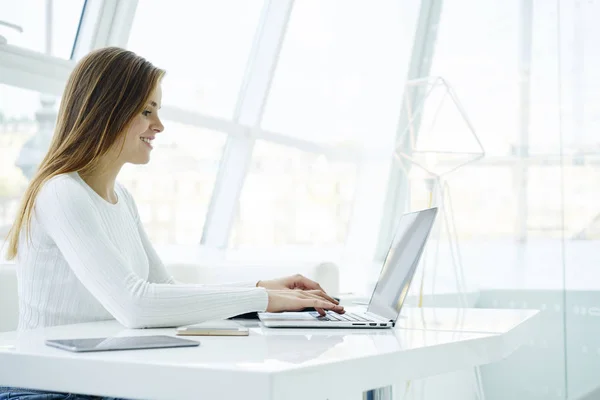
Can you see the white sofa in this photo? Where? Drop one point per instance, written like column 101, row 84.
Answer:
column 9, row 305
column 326, row 274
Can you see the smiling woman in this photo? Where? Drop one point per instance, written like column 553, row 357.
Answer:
column 92, row 118
column 83, row 254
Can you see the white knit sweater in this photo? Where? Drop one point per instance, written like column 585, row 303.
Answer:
column 90, row 260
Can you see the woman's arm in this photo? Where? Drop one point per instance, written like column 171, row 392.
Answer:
column 68, row 216
column 158, row 271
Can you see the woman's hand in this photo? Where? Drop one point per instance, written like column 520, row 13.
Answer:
column 297, row 300
column 296, row 282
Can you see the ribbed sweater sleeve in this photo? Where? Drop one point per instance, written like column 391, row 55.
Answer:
column 67, row 214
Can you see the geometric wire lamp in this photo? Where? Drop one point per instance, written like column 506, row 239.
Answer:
column 437, row 138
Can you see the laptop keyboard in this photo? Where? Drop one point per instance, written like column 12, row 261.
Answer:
column 347, row 317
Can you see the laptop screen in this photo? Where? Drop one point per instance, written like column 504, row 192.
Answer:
column 401, row 263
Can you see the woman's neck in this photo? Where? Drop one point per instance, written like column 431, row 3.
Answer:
column 102, row 181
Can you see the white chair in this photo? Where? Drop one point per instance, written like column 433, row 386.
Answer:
column 326, row 274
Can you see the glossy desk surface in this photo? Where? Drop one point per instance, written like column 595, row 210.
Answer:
column 270, row 363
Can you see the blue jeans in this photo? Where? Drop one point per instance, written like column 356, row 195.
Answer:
column 7, row 393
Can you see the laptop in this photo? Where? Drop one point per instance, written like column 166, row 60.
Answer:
column 390, row 291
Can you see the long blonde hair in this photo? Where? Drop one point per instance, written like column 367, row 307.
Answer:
column 105, row 91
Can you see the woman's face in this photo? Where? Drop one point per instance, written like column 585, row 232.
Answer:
column 142, row 131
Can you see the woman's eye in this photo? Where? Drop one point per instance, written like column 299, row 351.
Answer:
column 145, row 113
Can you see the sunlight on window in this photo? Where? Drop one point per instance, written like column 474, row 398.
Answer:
column 204, row 46
column 339, row 81
column 173, row 190
column 26, row 127
column 33, row 17
column 291, row 198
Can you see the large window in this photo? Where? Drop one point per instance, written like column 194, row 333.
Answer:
column 173, row 191
column 26, row 126
column 203, row 45
column 48, row 27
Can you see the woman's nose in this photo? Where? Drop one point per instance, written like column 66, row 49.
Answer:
column 158, row 127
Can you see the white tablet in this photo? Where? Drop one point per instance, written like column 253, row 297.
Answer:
column 121, row 343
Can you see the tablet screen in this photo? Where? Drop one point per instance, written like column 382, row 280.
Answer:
column 121, row 343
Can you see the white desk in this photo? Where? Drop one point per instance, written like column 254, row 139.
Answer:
column 270, row 363
column 479, row 320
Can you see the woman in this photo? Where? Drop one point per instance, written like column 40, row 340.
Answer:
column 82, row 252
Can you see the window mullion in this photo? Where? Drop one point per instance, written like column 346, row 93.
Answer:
column 238, row 150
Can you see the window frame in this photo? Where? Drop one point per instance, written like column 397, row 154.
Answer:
column 108, row 22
